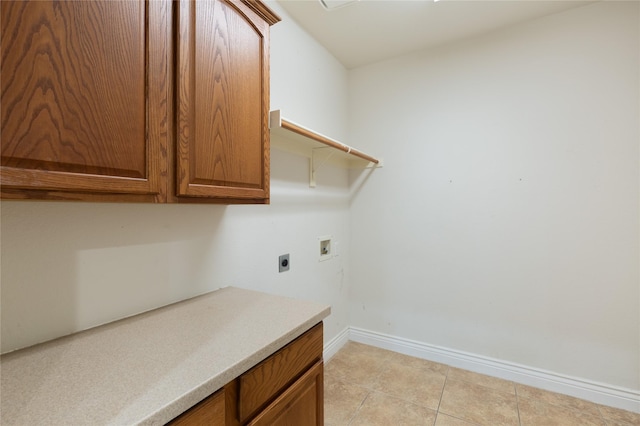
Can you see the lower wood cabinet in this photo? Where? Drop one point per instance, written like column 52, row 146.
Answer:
column 285, row 389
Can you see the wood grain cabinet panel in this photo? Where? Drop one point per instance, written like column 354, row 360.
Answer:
column 83, row 85
column 302, row 404
column 210, row 411
column 135, row 100
column 223, row 101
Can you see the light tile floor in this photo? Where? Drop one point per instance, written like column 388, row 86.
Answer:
column 369, row 386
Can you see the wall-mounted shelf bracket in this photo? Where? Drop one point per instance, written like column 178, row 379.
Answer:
column 319, row 157
column 319, row 148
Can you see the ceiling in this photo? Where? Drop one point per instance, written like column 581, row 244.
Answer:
column 367, row 31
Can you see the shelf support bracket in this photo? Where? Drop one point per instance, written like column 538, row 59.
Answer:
column 313, row 167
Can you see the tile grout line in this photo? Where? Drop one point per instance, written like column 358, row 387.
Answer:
column 604, row 420
column 446, row 376
column 355, row 414
column 369, row 389
column 515, row 389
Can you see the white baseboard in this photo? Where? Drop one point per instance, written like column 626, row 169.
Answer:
column 599, row 393
column 331, row 348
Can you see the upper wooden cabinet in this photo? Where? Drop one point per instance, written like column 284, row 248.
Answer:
column 223, row 100
column 81, row 101
column 100, row 101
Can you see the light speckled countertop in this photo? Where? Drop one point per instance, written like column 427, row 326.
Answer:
column 149, row 368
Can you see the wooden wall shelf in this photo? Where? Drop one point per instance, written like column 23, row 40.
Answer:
column 320, row 149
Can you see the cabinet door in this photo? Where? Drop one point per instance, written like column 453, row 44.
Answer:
column 302, row 404
column 84, row 98
column 222, row 88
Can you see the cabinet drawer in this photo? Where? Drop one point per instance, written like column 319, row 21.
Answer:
column 264, row 382
column 300, row 405
column 209, row 411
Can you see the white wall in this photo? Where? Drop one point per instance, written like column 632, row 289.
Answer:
column 505, row 222
column 70, row 266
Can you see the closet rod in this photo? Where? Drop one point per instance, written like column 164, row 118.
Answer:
column 329, row 142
